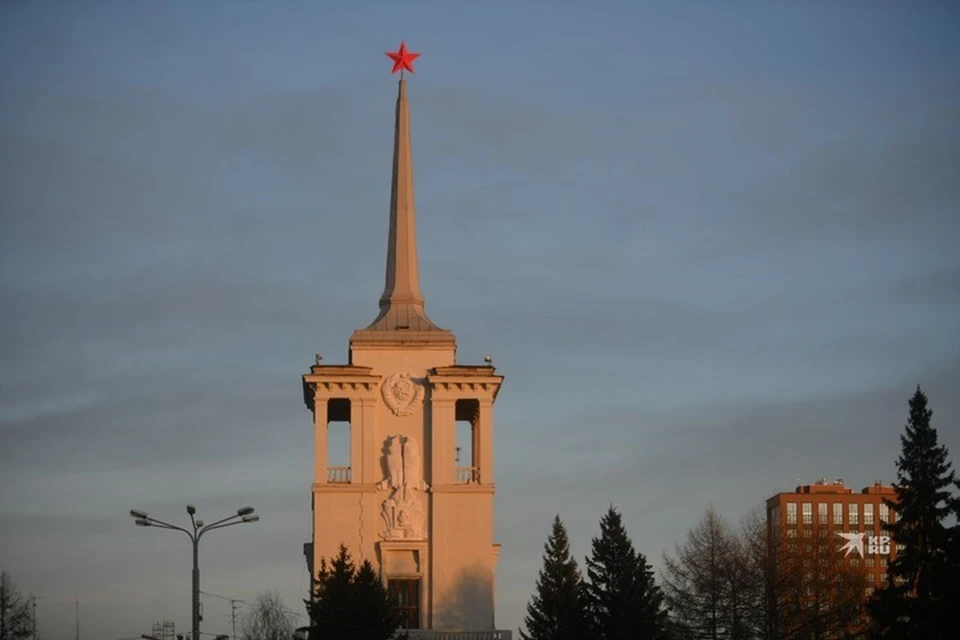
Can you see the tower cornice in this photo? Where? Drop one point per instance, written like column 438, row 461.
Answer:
column 451, row 382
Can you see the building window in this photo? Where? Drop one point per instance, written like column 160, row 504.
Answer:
column 883, row 562
column 838, row 514
column 807, row 513
column 406, row 594
column 791, row 513
column 868, row 514
column 868, row 591
column 854, row 562
column 853, row 514
column 791, row 533
column 821, row 513
column 884, row 514
column 869, row 562
column 807, row 533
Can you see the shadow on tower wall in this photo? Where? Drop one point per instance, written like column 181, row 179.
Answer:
column 468, row 604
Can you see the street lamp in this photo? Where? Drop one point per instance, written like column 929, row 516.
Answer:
column 242, row 516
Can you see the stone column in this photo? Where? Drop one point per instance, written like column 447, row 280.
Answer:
column 357, row 419
column 320, row 438
column 485, row 440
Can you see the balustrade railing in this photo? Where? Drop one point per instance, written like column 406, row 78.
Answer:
column 338, row 475
column 468, row 475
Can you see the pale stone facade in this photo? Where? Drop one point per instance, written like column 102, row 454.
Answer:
column 422, row 518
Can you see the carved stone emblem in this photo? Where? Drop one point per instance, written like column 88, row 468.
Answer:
column 401, row 393
column 402, row 511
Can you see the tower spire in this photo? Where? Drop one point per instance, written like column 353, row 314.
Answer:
column 402, row 304
column 402, row 285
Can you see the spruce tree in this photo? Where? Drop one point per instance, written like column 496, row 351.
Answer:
column 623, row 599
column 349, row 603
column 372, row 602
column 915, row 601
column 331, row 608
column 556, row 610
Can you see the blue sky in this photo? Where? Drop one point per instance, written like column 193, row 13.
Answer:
column 712, row 248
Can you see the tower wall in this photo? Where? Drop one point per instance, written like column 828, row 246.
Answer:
column 433, row 523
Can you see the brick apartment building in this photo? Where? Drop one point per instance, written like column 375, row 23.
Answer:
column 854, row 522
column 829, row 550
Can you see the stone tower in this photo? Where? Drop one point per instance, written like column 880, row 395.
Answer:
column 411, row 501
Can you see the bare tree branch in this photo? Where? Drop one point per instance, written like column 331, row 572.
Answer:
column 267, row 619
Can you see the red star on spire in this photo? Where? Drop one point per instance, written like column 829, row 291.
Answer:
column 403, row 59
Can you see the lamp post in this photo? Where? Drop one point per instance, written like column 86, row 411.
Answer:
column 242, row 516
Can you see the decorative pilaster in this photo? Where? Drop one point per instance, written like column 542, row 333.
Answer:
column 368, row 445
column 443, row 441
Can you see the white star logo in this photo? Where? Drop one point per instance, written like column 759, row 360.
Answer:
column 854, row 543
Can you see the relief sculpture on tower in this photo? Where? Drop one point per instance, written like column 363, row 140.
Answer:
column 401, row 393
column 403, row 508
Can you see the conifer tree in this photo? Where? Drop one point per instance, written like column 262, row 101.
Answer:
column 373, row 604
column 915, row 602
column 349, row 603
column 556, row 610
column 623, row 599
